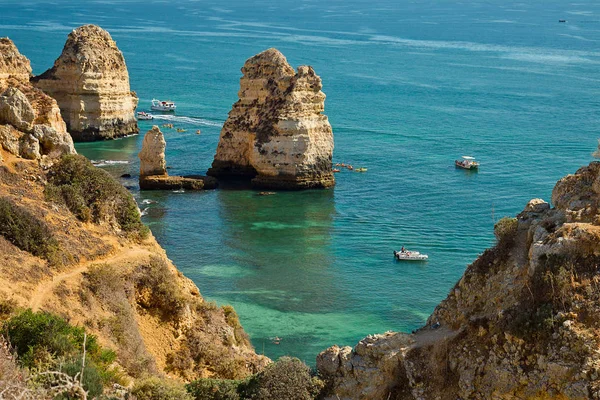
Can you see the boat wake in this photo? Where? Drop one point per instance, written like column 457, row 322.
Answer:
column 186, row 120
column 104, row 163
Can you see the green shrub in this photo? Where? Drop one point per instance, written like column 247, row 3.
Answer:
column 288, row 378
column 159, row 389
column 157, row 289
column 506, row 229
column 214, row 389
column 233, row 320
column 47, row 342
column 26, row 231
column 92, row 194
column 29, row 332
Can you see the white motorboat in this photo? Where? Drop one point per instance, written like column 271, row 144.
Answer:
column 467, row 162
column 144, row 115
column 163, row 105
column 407, row 255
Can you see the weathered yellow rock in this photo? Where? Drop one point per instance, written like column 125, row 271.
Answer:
column 276, row 132
column 12, row 63
column 30, row 122
column 90, row 82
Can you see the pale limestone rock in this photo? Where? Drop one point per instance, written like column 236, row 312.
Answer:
column 13, row 65
column 30, row 122
column 90, row 82
column 520, row 324
column 16, row 110
column 153, row 167
column 29, row 147
column 276, row 132
column 152, row 155
column 9, row 138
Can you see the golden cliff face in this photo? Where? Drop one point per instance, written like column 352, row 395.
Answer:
column 30, row 122
column 276, row 132
column 90, row 82
column 522, row 323
column 118, row 285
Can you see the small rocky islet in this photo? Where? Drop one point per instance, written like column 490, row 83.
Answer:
column 522, row 322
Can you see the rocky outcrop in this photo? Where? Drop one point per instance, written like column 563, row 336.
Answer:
column 30, row 122
column 276, row 133
column 153, row 167
column 522, row 323
column 13, row 65
column 90, row 82
column 152, row 155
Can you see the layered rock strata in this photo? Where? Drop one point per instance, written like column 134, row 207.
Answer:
column 90, row 82
column 153, row 167
column 276, row 133
column 30, row 122
column 522, row 323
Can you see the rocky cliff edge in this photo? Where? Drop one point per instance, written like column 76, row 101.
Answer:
column 522, row 323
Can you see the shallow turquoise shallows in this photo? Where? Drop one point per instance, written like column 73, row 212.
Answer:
column 411, row 86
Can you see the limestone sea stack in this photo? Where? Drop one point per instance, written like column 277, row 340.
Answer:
column 153, row 167
column 90, row 82
column 276, row 132
column 30, row 122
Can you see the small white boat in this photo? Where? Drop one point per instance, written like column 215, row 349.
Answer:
column 408, row 255
column 163, row 105
column 467, row 162
column 144, row 115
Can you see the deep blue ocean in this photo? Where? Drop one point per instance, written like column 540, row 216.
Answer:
column 410, row 85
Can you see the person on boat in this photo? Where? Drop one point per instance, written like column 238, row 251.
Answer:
column 402, row 250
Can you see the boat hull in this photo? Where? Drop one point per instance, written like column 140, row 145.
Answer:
column 410, row 256
column 459, row 164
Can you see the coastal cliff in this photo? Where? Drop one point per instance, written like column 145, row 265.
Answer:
column 276, row 133
column 30, row 122
column 522, row 322
column 90, row 82
column 72, row 244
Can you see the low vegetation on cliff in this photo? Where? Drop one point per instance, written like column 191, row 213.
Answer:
column 26, row 231
column 93, row 195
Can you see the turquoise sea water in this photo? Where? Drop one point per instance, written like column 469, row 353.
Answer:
column 410, row 87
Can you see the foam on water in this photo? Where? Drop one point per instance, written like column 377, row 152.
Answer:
column 185, row 120
column 104, row 163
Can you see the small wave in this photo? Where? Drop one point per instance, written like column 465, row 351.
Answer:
column 186, row 120
column 148, row 201
column 144, row 212
column 104, row 163
column 179, row 191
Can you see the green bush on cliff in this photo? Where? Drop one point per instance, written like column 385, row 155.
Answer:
column 159, row 389
column 92, row 194
column 287, row 378
column 163, row 294
column 215, row 389
column 26, row 231
column 506, row 229
column 44, row 341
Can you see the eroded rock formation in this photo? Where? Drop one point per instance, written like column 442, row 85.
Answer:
column 30, row 122
column 90, row 82
column 522, row 323
column 153, row 167
column 276, row 132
